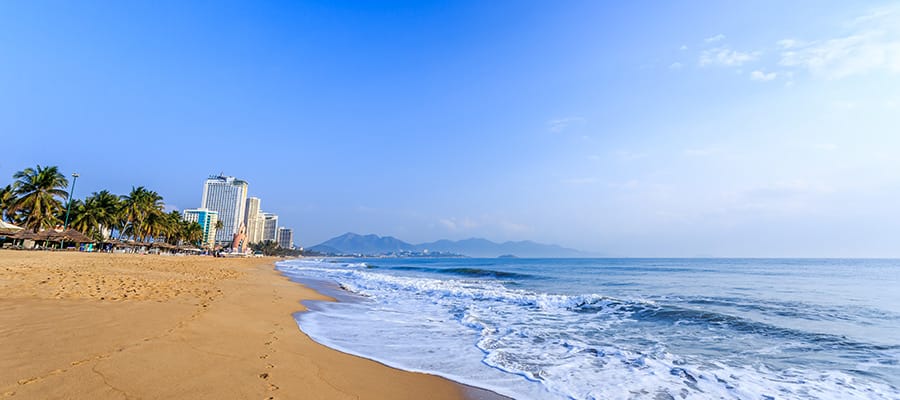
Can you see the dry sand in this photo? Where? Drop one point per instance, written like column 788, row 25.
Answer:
column 109, row 326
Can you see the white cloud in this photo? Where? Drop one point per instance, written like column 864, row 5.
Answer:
column 871, row 44
column 683, row 47
column 725, row 57
column 762, row 76
column 675, row 65
column 561, row 124
column 713, row 39
column 788, row 43
column 458, row 224
column 484, row 224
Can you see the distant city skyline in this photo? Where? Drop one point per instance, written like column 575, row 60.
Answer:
column 627, row 129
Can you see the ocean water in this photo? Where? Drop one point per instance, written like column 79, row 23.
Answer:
column 620, row 328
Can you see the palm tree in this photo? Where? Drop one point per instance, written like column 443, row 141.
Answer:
column 108, row 210
column 39, row 193
column 192, row 232
column 267, row 247
column 141, row 210
column 7, row 198
column 83, row 218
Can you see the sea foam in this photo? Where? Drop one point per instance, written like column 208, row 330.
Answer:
column 528, row 344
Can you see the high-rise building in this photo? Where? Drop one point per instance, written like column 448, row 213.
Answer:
column 227, row 196
column 254, row 220
column 270, row 227
column 207, row 220
column 285, row 238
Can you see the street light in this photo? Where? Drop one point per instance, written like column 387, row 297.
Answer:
column 69, row 203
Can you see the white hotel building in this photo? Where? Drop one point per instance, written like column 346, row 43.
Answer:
column 227, row 196
column 254, row 220
column 270, row 227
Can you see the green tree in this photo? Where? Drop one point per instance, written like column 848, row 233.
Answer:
column 108, row 208
column 83, row 217
column 39, row 194
column 267, row 247
column 192, row 232
column 7, row 198
column 141, row 212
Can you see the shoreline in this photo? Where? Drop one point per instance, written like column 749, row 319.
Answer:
column 471, row 392
column 108, row 326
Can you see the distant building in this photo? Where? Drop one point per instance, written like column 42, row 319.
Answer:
column 286, row 238
column 227, row 196
column 207, row 220
column 254, row 220
column 270, row 227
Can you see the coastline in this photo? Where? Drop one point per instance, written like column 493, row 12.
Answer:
column 111, row 326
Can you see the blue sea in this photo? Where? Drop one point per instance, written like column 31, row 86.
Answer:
column 620, row 328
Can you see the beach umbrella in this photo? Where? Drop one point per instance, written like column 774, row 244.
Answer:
column 69, row 235
column 73, row 235
column 7, row 229
column 25, row 234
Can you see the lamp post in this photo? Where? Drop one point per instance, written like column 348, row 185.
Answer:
column 69, row 203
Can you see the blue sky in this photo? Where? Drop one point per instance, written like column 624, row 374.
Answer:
column 636, row 129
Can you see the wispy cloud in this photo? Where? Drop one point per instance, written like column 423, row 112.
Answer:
column 485, row 223
column 717, row 38
column 725, row 57
column 458, row 224
column 761, row 76
column 826, row 146
column 871, row 44
column 561, row 124
column 676, row 65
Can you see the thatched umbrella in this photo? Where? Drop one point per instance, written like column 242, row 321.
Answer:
column 72, row 235
column 69, row 235
column 25, row 234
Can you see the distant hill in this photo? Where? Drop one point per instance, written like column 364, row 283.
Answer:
column 351, row 243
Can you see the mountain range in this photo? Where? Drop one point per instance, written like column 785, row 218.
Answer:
column 352, row 243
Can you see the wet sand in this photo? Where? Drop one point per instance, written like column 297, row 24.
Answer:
column 110, row 326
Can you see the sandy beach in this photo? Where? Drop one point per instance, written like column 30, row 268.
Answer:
column 109, row 326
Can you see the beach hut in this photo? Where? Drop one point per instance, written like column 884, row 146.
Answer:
column 25, row 238
column 66, row 236
column 162, row 248
column 110, row 245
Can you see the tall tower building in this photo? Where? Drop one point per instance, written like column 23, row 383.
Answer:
column 270, row 227
column 254, row 220
column 227, row 196
column 207, row 220
column 286, row 238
